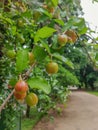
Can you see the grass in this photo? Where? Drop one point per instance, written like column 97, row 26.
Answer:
column 29, row 123
column 35, row 116
column 93, row 92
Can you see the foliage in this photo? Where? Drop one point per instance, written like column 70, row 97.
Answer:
column 33, row 27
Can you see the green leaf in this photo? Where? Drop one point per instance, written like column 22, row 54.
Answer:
column 59, row 21
column 22, row 59
column 13, row 30
column 96, row 57
column 44, row 32
column 44, row 12
column 55, row 2
column 63, row 59
column 46, row 46
column 13, row 81
column 39, row 53
column 39, row 83
column 80, row 23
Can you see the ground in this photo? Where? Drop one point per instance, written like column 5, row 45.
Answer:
column 81, row 113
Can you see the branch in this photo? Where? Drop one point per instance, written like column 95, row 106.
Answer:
column 89, row 55
column 26, row 75
column 10, row 95
column 93, row 39
column 91, row 60
column 6, row 100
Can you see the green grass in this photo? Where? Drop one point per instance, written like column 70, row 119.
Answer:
column 29, row 123
column 93, row 92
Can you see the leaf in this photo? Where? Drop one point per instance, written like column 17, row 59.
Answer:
column 44, row 32
column 13, row 30
column 39, row 83
column 59, row 21
column 63, row 59
column 96, row 57
column 81, row 26
column 55, row 2
column 44, row 12
column 13, row 81
column 22, row 60
column 46, row 46
column 39, row 53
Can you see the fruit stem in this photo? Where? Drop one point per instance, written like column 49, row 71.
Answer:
column 20, row 77
column 50, row 55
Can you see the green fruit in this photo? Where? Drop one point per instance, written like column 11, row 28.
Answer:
column 11, row 54
column 31, row 58
column 62, row 39
column 52, row 68
column 20, row 23
column 31, row 99
column 36, row 15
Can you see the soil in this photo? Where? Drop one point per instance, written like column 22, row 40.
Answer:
column 81, row 113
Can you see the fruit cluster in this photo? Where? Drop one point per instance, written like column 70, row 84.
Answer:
column 20, row 93
column 21, row 89
column 68, row 36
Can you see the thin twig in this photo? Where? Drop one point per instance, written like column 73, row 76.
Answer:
column 93, row 39
column 88, row 55
column 29, row 71
column 10, row 95
column 6, row 100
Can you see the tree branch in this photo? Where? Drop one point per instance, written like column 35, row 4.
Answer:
column 29, row 71
column 10, row 95
column 6, row 100
column 93, row 39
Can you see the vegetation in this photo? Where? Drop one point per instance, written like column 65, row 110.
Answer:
column 93, row 92
column 45, row 46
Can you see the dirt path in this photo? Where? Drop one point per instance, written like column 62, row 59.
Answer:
column 81, row 113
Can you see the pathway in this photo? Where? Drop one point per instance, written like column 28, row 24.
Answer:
column 81, row 113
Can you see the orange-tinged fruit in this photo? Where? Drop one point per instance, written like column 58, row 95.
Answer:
column 31, row 58
column 31, row 99
column 21, row 86
column 70, row 40
column 51, row 9
column 52, row 68
column 72, row 34
column 62, row 39
column 19, row 96
column 44, row 6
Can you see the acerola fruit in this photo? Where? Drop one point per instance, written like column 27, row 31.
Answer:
column 62, row 39
column 51, row 10
column 44, row 6
column 70, row 40
column 72, row 35
column 31, row 99
column 31, row 58
column 36, row 15
column 20, row 23
column 21, row 86
column 11, row 54
column 52, row 67
column 19, row 96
